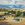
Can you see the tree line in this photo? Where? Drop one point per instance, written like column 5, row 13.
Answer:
column 14, row 12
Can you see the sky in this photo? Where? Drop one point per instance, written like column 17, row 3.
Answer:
column 12, row 6
column 17, row 2
column 12, row 1
column 6, row 1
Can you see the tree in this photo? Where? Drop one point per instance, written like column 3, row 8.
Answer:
column 23, row 13
column 18, row 13
column 5, row 13
column 13, row 12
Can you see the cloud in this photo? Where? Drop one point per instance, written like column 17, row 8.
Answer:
column 6, row 1
column 11, row 2
column 3, row 1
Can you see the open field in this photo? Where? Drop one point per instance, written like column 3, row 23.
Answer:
column 9, row 22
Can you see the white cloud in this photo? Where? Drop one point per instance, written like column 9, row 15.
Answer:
column 2, row 1
column 6, row 1
column 9, row 1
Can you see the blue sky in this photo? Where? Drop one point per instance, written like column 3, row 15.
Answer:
column 12, row 6
column 7, row 3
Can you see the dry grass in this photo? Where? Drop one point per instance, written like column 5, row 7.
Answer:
column 12, row 23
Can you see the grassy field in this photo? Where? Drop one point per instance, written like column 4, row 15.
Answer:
column 11, row 22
